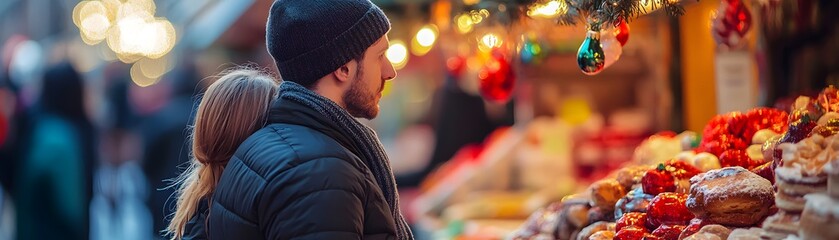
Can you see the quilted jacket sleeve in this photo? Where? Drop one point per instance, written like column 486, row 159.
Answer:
column 319, row 199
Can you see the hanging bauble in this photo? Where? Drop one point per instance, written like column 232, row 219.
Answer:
column 531, row 51
column 622, row 32
column 738, row 17
column 455, row 66
column 497, row 79
column 612, row 48
column 731, row 24
column 590, row 56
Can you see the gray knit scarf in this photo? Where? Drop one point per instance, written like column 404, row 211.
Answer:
column 373, row 154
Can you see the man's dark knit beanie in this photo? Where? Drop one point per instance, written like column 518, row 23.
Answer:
column 309, row 39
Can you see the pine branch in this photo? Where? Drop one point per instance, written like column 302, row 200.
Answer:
column 611, row 12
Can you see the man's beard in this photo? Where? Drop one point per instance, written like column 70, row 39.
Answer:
column 359, row 101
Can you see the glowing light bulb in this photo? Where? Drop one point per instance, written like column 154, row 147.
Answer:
column 488, row 42
column 464, row 23
column 397, row 54
column 427, row 36
column 424, row 40
column 548, row 9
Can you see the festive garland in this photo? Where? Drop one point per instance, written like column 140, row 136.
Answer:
column 601, row 11
column 613, row 11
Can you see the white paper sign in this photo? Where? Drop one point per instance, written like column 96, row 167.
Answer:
column 735, row 82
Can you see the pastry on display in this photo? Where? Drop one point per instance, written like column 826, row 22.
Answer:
column 828, row 99
column 597, row 214
column 802, row 171
column 832, row 171
column 703, row 236
column 605, row 193
column 830, row 126
column 820, row 219
column 630, row 176
column 745, row 234
column 731, row 196
column 780, row 225
column 717, row 230
column 573, row 216
column 657, row 149
column 762, row 174
column 634, row 201
column 602, row 235
column 706, row 162
column 586, row 232
column 793, row 184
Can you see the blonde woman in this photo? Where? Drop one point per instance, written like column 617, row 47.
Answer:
column 233, row 108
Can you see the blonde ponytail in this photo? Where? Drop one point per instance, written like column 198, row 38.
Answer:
column 233, row 108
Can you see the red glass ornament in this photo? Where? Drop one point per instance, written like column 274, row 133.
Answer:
column 766, row 171
column 738, row 17
column 657, row 181
column 632, row 219
column 668, row 208
column 669, row 232
column 622, row 32
column 732, row 23
column 497, row 79
column 631, row 233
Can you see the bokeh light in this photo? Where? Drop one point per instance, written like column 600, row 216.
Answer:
column 397, row 53
column 139, row 78
column 424, row 40
column 549, row 9
column 129, row 28
column 488, row 42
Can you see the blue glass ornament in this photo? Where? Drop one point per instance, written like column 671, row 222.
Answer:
column 590, row 56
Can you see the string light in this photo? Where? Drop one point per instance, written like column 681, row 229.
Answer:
column 489, row 41
column 464, row 23
column 128, row 26
column 424, row 40
column 139, row 78
column 397, row 54
column 549, row 9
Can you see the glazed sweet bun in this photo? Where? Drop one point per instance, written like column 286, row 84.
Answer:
column 731, row 196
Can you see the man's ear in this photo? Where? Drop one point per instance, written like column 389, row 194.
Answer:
column 346, row 71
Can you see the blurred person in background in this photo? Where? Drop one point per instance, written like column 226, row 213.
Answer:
column 164, row 110
column 316, row 172
column 15, row 78
column 232, row 108
column 119, row 209
column 54, row 182
column 459, row 119
column 7, row 107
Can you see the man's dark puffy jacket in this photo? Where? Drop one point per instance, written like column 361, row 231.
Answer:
column 296, row 179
